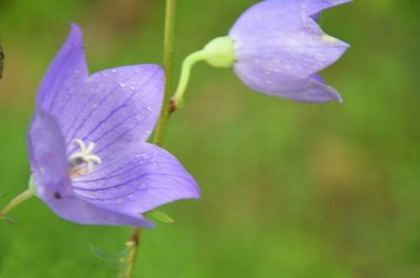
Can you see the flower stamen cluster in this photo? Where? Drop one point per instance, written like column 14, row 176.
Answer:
column 86, row 156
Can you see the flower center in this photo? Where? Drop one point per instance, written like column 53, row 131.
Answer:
column 83, row 162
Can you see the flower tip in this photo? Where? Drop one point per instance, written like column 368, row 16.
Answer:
column 345, row 45
column 75, row 28
column 75, row 37
column 317, row 6
column 335, row 96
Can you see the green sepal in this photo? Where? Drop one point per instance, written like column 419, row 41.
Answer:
column 32, row 185
column 161, row 216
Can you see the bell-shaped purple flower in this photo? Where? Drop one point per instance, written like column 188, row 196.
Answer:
column 276, row 47
column 280, row 49
column 89, row 157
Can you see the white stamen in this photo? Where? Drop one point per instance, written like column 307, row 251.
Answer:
column 85, row 155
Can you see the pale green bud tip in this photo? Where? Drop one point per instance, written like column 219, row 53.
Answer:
column 220, row 52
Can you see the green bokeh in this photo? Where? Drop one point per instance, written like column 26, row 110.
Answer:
column 289, row 190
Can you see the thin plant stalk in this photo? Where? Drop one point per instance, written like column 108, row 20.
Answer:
column 158, row 139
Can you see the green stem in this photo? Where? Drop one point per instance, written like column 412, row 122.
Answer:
column 16, row 201
column 168, row 44
column 158, row 139
column 187, row 65
column 130, row 260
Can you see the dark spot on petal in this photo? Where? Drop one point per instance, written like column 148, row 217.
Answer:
column 57, row 195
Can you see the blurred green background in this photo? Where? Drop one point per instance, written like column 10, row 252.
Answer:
column 289, row 190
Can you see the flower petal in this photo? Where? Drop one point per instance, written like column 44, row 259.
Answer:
column 279, row 42
column 82, row 212
column 115, row 107
column 48, row 158
column 50, row 171
column 65, row 74
column 137, row 179
column 315, row 90
column 312, row 89
column 314, row 7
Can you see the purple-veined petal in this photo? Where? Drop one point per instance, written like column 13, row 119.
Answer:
column 50, row 169
column 137, row 179
column 47, row 151
column 115, row 107
column 65, row 74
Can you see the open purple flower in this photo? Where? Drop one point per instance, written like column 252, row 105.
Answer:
column 277, row 47
column 90, row 160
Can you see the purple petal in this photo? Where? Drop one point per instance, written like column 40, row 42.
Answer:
column 115, row 107
column 137, row 179
column 65, row 74
column 82, row 212
column 50, row 170
column 110, row 107
column 48, row 157
column 314, row 90
column 314, row 7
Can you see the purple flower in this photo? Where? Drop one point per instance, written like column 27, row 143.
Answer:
column 276, row 47
column 280, row 49
column 89, row 157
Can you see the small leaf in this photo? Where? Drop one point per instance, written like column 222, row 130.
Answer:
column 115, row 260
column 161, row 216
column 10, row 220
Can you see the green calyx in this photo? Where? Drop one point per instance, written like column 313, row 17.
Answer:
column 219, row 53
column 32, row 185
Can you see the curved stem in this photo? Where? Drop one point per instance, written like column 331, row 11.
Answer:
column 16, row 201
column 158, row 139
column 187, row 65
